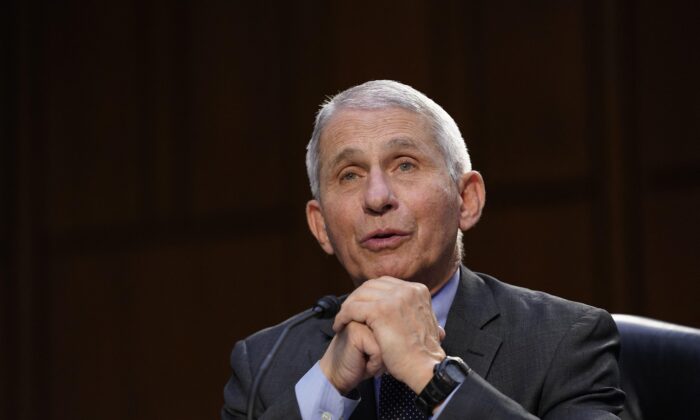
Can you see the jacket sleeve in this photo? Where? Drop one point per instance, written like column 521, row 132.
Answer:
column 582, row 381
column 236, row 393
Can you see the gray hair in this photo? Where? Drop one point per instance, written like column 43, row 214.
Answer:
column 380, row 94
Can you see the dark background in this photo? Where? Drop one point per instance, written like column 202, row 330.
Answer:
column 152, row 184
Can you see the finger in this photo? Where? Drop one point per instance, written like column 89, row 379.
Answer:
column 386, row 288
column 371, row 349
column 375, row 365
column 441, row 333
column 373, row 289
column 389, row 292
column 355, row 311
column 387, row 281
column 370, row 346
column 364, row 341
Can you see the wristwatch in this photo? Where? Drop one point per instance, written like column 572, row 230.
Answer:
column 447, row 374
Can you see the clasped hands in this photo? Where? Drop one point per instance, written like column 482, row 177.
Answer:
column 385, row 325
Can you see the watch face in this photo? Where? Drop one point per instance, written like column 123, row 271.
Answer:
column 455, row 372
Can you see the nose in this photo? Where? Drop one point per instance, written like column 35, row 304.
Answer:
column 379, row 196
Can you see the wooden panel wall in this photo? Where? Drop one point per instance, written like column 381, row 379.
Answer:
column 152, row 182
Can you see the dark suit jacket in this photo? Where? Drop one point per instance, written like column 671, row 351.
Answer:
column 532, row 355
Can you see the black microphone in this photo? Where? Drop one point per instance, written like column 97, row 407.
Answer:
column 328, row 306
column 324, row 308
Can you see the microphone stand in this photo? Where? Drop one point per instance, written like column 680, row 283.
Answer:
column 326, row 307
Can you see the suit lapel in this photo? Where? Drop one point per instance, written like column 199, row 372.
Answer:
column 367, row 408
column 316, row 352
column 472, row 309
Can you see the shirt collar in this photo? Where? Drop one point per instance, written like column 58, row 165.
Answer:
column 442, row 299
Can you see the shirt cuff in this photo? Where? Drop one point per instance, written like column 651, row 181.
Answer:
column 317, row 398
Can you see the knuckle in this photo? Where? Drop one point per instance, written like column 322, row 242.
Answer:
column 419, row 290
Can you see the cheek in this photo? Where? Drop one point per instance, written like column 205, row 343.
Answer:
column 442, row 209
column 338, row 223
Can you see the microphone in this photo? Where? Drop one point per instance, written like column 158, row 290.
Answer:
column 324, row 308
column 328, row 306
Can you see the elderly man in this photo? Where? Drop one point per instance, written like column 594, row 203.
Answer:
column 421, row 336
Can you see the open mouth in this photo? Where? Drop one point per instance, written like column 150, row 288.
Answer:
column 383, row 235
column 384, row 239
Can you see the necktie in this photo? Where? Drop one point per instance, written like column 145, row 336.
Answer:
column 396, row 400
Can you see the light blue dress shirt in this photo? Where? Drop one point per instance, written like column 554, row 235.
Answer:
column 318, row 399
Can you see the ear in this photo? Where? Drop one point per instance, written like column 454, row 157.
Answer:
column 473, row 193
column 317, row 225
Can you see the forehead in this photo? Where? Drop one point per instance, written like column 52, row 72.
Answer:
column 365, row 130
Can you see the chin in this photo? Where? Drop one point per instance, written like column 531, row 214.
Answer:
column 396, row 269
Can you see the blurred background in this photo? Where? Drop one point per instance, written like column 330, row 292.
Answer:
column 152, row 181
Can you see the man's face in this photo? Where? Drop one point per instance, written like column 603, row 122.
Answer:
column 388, row 205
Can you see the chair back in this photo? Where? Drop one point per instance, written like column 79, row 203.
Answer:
column 660, row 368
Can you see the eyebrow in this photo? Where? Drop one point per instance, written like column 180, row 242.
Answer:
column 345, row 154
column 394, row 143
column 401, row 142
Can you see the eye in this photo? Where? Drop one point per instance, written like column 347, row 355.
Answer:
column 406, row 166
column 348, row 176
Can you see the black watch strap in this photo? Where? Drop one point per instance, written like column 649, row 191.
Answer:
column 447, row 375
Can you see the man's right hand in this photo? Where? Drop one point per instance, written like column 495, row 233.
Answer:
column 352, row 356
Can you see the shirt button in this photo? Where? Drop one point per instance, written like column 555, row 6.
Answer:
column 326, row 416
